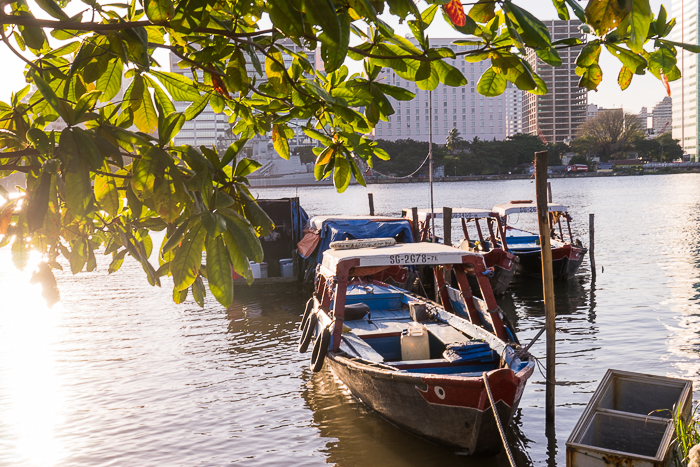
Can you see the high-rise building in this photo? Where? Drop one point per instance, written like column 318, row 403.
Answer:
column 685, row 90
column 453, row 107
column 662, row 116
column 643, row 119
column 592, row 111
column 514, row 110
column 556, row 116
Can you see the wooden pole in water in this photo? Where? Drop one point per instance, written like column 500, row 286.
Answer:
column 591, row 241
column 371, row 203
column 549, row 192
column 447, row 226
column 547, row 277
column 414, row 219
column 447, row 239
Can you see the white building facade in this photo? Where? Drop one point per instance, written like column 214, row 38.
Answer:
column 685, row 90
column 662, row 116
column 514, row 110
column 472, row 114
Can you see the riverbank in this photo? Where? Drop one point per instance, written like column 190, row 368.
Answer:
column 476, row 178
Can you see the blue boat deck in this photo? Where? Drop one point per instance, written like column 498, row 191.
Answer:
column 377, row 336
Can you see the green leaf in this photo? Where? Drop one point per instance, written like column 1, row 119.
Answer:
column 341, row 173
column 219, row 271
column 117, row 260
column 689, row 47
column 550, row 57
column 534, row 32
column 39, row 197
column 197, row 106
column 591, row 77
column 448, row 74
column 179, row 296
column 78, row 255
column 214, row 223
column 589, row 54
column 334, row 54
column 159, row 10
column 400, row 94
column 171, row 126
column 45, row 89
column 180, row 87
column 483, row 11
column 149, row 169
column 176, row 236
column 280, row 142
column 624, row 79
column 276, row 72
column 52, row 8
column 86, row 103
column 238, row 259
column 198, row 291
column 110, row 82
column 38, row 139
column 605, row 15
column 357, row 173
column 246, row 167
column 188, row 257
column 541, row 86
column 76, row 174
column 578, row 10
column 562, row 11
column 107, row 194
column 661, row 61
column 491, row 83
column 629, row 59
column 145, row 116
column 244, row 233
column 640, row 20
column 322, row 13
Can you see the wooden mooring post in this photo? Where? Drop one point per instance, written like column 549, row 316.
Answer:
column 447, row 226
column 416, row 230
column 547, row 278
column 371, row 203
column 549, row 192
column 591, row 242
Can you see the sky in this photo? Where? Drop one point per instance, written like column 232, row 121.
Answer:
column 645, row 91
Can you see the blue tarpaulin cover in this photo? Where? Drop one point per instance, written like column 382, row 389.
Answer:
column 351, row 229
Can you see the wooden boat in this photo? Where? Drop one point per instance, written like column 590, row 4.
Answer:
column 567, row 256
column 419, row 364
column 500, row 264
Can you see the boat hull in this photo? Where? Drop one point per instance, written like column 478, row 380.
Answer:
column 566, row 261
column 448, row 410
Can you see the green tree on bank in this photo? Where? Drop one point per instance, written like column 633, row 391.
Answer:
column 475, row 157
column 113, row 174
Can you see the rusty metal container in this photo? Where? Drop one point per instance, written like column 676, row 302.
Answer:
column 628, row 421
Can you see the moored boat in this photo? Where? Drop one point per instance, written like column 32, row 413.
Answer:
column 567, row 256
column 423, row 366
column 500, row 264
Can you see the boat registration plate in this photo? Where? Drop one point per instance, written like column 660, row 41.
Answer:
column 418, row 258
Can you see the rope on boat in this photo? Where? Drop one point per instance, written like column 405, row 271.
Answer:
column 498, row 420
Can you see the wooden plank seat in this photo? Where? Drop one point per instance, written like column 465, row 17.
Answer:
column 353, row 345
column 446, row 333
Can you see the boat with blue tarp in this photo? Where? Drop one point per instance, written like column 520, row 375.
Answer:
column 422, row 365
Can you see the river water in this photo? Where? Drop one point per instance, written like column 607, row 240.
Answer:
column 117, row 374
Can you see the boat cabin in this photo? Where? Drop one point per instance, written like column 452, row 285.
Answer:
column 478, row 241
column 524, row 241
column 376, row 322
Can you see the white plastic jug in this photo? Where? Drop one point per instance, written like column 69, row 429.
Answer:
column 415, row 343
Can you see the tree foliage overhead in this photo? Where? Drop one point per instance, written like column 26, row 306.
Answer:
column 113, row 174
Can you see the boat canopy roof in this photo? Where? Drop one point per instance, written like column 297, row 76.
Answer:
column 404, row 254
column 318, row 222
column 516, row 208
column 457, row 213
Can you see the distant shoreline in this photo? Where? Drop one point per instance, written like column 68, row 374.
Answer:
column 475, row 178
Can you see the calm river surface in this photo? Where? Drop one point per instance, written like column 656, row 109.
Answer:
column 117, row 374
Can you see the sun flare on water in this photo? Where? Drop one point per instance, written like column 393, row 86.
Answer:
column 31, row 404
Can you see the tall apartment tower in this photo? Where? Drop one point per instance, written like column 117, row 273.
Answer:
column 685, row 89
column 462, row 108
column 662, row 116
column 514, row 110
column 644, row 119
column 556, row 116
